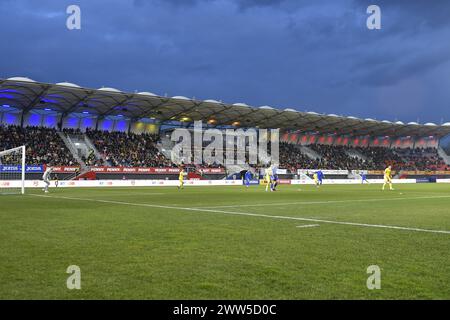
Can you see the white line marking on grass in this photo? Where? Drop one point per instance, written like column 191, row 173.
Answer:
column 308, row 226
column 320, row 202
column 249, row 214
column 141, row 194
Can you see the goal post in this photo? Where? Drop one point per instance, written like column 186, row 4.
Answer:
column 12, row 171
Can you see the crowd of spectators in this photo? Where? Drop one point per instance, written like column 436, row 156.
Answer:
column 43, row 145
column 336, row 157
column 378, row 157
column 362, row 158
column 422, row 159
column 128, row 149
column 292, row 158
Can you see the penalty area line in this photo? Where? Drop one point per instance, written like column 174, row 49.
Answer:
column 249, row 214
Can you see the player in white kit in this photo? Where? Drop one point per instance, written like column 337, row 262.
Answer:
column 46, row 178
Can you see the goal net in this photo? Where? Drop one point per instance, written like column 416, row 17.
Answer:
column 12, row 171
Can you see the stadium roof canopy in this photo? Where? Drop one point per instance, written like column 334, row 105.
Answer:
column 66, row 98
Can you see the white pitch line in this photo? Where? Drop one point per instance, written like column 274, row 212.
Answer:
column 143, row 194
column 250, row 214
column 320, row 202
column 308, row 226
column 126, row 195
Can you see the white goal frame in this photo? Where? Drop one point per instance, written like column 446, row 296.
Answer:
column 23, row 164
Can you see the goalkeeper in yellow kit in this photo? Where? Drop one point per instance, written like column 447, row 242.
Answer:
column 388, row 178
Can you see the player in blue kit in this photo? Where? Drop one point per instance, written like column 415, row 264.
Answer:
column 319, row 177
column 247, row 177
column 364, row 178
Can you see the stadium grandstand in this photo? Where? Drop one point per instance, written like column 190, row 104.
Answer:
column 109, row 134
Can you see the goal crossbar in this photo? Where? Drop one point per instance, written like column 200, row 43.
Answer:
column 4, row 152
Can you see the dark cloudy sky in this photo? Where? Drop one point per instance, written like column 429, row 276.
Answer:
column 307, row 55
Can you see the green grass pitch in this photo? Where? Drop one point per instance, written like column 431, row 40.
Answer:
column 225, row 243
